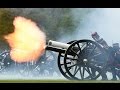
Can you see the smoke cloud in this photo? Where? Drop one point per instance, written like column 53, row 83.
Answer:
column 105, row 21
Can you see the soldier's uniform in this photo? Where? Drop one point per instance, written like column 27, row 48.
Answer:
column 113, row 54
column 102, row 42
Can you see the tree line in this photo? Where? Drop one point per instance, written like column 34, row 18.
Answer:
column 55, row 22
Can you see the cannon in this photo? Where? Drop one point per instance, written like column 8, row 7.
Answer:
column 77, row 59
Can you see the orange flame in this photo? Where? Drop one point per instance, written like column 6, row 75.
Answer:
column 27, row 42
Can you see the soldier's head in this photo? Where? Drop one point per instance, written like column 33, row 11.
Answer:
column 95, row 36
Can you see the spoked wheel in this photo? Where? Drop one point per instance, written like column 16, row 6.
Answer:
column 50, row 63
column 85, row 60
column 38, row 68
column 61, row 65
column 26, row 69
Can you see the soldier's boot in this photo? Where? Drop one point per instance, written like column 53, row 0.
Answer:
column 104, row 76
column 114, row 73
column 114, row 76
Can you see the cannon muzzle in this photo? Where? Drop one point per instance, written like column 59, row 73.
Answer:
column 58, row 44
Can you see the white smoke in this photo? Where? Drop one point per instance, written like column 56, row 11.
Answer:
column 106, row 21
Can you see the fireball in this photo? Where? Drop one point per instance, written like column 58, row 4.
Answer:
column 27, row 42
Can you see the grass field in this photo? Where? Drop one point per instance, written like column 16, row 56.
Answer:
column 16, row 78
column 56, row 81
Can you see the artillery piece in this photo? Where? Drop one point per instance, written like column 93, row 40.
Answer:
column 79, row 58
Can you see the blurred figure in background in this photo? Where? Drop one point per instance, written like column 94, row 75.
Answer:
column 113, row 53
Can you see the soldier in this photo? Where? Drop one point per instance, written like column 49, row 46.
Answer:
column 116, row 51
column 110, row 52
column 102, row 42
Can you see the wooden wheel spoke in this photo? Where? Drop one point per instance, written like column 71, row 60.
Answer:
column 71, row 58
column 76, row 70
column 95, row 55
column 79, row 47
column 72, row 65
column 81, row 73
column 66, row 63
column 88, row 70
column 92, row 51
column 74, row 52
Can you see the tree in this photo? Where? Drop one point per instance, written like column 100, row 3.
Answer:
column 55, row 21
column 6, row 26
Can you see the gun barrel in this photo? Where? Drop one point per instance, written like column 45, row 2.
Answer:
column 59, row 47
column 58, row 44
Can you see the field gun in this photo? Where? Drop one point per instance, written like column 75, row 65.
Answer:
column 77, row 58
